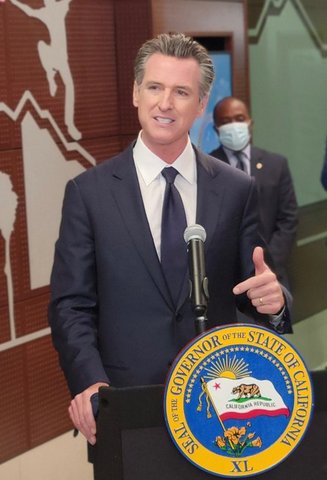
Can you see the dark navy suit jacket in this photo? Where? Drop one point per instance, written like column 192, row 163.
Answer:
column 111, row 314
column 278, row 210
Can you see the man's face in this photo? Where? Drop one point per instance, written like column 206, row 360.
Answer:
column 168, row 102
column 232, row 110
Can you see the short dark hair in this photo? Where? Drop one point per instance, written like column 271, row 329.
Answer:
column 180, row 46
column 222, row 102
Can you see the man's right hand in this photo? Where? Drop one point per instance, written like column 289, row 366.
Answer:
column 80, row 412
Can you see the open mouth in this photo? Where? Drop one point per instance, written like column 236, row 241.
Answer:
column 164, row 120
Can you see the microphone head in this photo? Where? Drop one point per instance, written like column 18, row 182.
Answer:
column 195, row 232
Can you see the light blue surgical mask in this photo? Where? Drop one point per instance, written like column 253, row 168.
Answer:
column 234, row 135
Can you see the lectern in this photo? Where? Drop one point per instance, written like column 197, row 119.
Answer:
column 133, row 443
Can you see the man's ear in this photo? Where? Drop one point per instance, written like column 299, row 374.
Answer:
column 135, row 94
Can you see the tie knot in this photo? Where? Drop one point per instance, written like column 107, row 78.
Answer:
column 169, row 173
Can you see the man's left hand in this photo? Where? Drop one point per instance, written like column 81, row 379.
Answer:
column 263, row 289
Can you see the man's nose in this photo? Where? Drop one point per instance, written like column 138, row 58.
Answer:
column 165, row 101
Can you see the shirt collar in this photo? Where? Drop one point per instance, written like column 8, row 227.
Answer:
column 150, row 165
column 246, row 151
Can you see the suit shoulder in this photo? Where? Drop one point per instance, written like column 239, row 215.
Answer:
column 223, row 171
column 106, row 167
column 215, row 153
column 210, row 162
column 267, row 155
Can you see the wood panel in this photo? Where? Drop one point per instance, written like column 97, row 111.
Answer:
column 206, row 18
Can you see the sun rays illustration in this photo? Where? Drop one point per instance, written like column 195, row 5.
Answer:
column 227, row 367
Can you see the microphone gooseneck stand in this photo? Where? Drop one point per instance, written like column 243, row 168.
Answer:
column 195, row 236
column 201, row 324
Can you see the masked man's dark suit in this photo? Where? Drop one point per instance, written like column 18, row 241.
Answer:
column 278, row 209
column 111, row 314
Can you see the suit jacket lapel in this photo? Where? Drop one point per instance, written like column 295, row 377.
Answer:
column 254, row 160
column 221, row 155
column 209, row 197
column 127, row 194
column 209, row 204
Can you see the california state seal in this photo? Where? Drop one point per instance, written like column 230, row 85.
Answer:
column 238, row 400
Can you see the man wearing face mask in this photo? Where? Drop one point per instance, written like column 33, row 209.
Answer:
column 276, row 196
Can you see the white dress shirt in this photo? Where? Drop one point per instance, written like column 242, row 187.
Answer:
column 246, row 154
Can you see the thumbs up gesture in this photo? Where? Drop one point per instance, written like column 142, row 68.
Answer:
column 263, row 289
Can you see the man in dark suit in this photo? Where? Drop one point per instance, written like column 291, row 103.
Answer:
column 278, row 211
column 115, row 318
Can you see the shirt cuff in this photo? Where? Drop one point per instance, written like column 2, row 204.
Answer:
column 275, row 320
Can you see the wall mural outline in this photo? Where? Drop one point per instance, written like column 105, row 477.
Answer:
column 8, row 207
column 39, row 125
column 275, row 7
column 54, row 55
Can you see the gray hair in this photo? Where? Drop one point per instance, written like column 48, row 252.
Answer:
column 180, row 46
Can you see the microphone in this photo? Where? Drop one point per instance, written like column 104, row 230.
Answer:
column 195, row 236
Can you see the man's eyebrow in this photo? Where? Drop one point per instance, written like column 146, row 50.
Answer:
column 156, row 82
column 153, row 82
column 184, row 87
